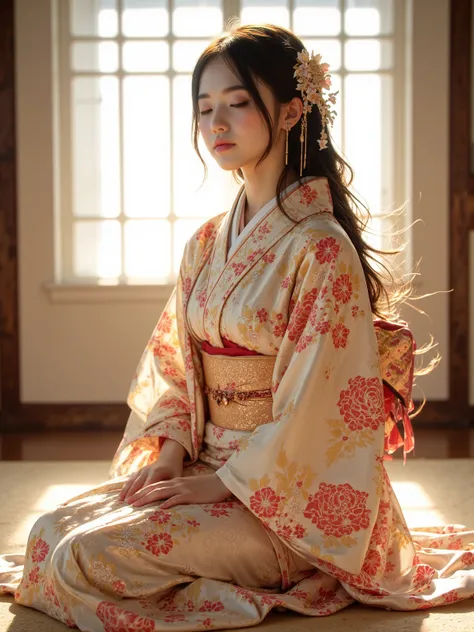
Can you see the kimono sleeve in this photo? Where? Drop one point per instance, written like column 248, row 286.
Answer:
column 158, row 396
column 314, row 476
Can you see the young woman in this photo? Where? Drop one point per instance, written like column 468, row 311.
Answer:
column 251, row 472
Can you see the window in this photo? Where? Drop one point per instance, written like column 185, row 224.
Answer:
column 129, row 179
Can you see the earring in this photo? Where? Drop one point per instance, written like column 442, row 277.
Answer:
column 286, row 146
column 303, row 141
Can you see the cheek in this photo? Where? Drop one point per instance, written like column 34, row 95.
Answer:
column 259, row 133
column 205, row 131
column 252, row 123
column 202, row 127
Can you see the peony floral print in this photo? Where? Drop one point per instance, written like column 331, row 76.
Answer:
column 311, row 523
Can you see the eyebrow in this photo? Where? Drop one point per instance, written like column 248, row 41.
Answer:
column 205, row 95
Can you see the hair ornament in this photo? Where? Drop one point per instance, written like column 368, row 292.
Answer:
column 312, row 78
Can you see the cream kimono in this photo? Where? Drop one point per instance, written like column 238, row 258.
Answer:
column 311, row 523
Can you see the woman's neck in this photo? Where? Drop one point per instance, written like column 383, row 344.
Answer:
column 261, row 189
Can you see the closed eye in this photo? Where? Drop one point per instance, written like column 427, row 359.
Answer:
column 234, row 105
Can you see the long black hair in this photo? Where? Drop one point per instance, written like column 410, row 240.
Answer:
column 269, row 53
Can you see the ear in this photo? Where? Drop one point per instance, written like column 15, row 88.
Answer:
column 291, row 112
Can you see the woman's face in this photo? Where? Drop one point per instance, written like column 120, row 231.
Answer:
column 227, row 113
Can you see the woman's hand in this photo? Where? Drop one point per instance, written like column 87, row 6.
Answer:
column 169, row 465
column 183, row 491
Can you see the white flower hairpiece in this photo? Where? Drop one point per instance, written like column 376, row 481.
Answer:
column 313, row 77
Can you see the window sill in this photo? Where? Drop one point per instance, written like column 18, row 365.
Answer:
column 62, row 293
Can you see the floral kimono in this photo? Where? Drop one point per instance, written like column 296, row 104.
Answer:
column 267, row 366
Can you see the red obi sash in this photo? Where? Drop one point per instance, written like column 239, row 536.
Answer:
column 230, row 349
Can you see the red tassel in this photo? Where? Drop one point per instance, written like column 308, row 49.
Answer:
column 395, row 413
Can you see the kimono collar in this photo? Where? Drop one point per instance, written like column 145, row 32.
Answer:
column 310, row 198
column 237, row 230
column 271, row 225
column 239, row 212
column 300, row 200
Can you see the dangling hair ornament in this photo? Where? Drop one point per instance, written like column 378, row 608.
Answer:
column 313, row 77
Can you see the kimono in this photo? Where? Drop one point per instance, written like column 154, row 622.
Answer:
column 268, row 368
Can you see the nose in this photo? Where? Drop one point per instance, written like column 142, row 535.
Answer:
column 219, row 123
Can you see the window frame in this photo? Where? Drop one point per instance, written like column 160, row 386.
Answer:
column 396, row 167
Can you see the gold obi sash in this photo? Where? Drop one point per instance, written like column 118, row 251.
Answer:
column 239, row 390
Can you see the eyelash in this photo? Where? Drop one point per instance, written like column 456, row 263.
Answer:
column 235, row 105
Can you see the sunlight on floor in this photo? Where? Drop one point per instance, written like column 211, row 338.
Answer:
column 418, row 508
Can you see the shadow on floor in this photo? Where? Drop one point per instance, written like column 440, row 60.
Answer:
column 454, row 618
column 16, row 618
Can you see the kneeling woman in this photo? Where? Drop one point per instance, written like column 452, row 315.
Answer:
column 251, row 472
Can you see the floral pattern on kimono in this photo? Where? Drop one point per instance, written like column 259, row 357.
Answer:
column 311, row 523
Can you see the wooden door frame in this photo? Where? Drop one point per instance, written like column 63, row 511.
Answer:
column 461, row 196
column 18, row 417
column 9, row 343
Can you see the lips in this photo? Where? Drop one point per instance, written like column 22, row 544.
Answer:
column 219, row 149
column 222, row 144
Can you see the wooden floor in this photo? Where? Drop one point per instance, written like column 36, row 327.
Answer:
column 67, row 446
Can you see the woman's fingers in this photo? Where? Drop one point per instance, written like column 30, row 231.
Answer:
column 145, row 488
column 148, row 488
column 135, row 485
column 152, row 494
column 180, row 499
column 126, row 486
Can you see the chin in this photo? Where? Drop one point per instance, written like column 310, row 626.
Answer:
column 229, row 166
column 227, row 163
